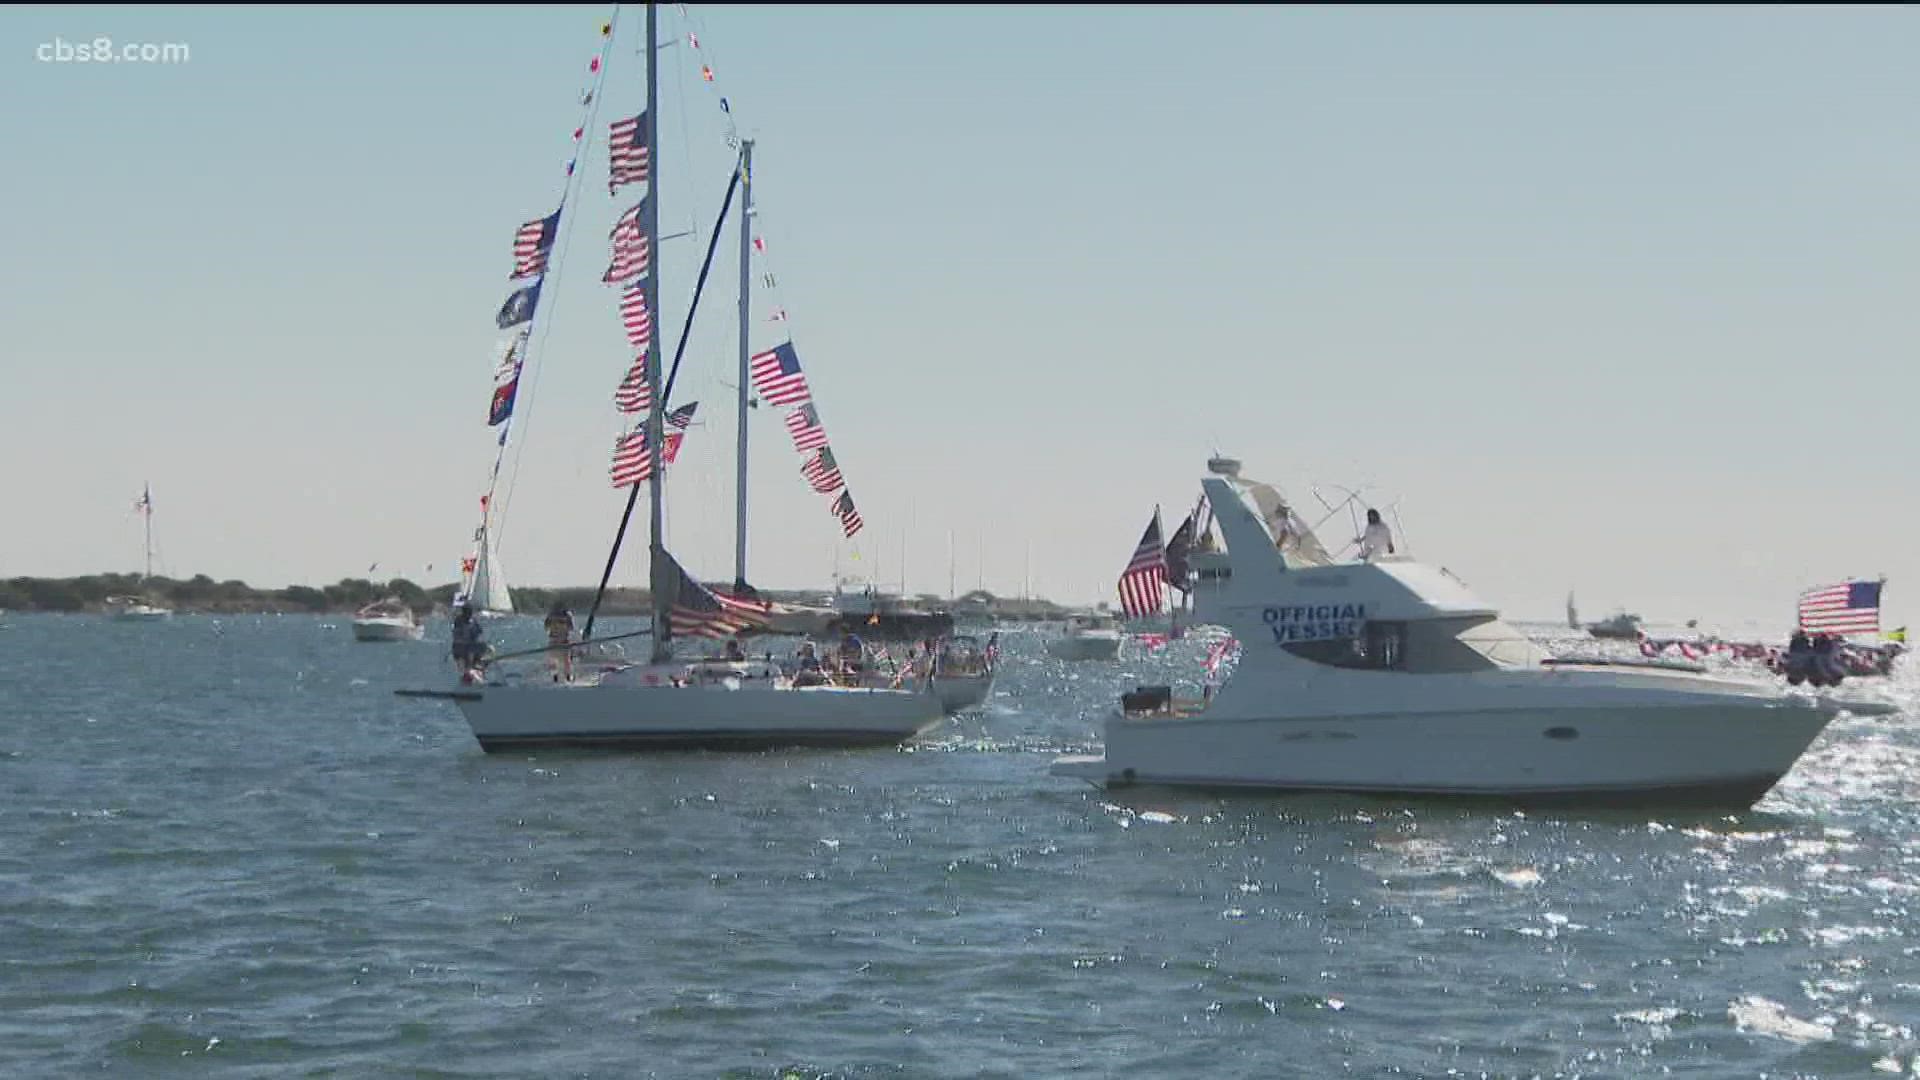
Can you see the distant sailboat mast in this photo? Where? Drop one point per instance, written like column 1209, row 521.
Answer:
column 740, row 449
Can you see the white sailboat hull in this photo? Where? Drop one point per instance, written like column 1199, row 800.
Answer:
column 712, row 717
column 1542, row 743
column 1085, row 647
column 387, row 630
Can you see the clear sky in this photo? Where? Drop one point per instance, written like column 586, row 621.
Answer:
column 1613, row 300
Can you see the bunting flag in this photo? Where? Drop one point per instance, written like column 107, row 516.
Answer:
column 506, row 384
column 635, row 317
column 1142, row 586
column 468, row 562
column 759, row 243
column 776, row 374
column 533, row 243
column 633, row 394
column 630, row 255
column 682, row 418
column 849, row 517
column 631, row 462
column 803, row 424
column 519, row 307
column 697, row 612
column 627, row 152
column 822, row 472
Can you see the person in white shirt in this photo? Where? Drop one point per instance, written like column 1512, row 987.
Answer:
column 1377, row 540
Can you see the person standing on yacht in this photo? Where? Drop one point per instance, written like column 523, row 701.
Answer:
column 559, row 637
column 1377, row 540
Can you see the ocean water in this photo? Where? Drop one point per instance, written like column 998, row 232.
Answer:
column 228, row 850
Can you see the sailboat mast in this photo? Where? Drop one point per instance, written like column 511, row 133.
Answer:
column 650, row 227
column 740, row 449
column 147, row 512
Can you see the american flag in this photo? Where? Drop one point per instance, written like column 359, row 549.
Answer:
column 697, row 612
column 532, row 243
column 634, row 395
column 627, row 150
column 803, row 424
column 682, row 418
column 1143, row 585
column 630, row 256
column 631, row 462
column 849, row 517
column 635, row 317
column 776, row 374
column 822, row 472
column 1851, row 607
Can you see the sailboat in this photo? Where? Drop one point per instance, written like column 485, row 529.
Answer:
column 134, row 608
column 668, row 703
column 486, row 586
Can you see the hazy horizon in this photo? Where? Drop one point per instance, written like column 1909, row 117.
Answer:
column 1604, row 300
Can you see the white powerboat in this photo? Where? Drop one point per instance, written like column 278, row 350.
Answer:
column 133, row 609
column 387, row 620
column 1392, row 677
column 1087, row 637
column 963, row 672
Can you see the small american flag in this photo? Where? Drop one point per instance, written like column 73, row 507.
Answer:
column 633, row 394
column 1852, row 607
column 631, row 462
column 1143, row 585
column 635, row 317
column 803, row 424
column 532, row 243
column 822, row 472
column 776, row 374
column 144, row 503
column 849, row 517
column 682, row 418
column 627, row 152
column 630, row 255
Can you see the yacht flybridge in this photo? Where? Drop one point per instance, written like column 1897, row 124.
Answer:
column 1390, row 676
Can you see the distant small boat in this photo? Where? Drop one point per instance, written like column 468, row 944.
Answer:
column 387, row 620
column 1622, row 626
column 1087, row 637
column 133, row 609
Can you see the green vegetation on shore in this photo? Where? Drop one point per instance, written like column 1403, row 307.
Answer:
column 201, row 593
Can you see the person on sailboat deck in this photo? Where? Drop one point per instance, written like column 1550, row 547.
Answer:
column 559, row 636
column 468, row 652
column 734, row 652
column 1377, row 540
column 851, row 651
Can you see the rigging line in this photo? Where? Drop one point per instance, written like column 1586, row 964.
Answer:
column 660, row 408
column 686, row 138
column 552, row 276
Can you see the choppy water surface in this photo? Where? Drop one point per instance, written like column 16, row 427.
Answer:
column 230, row 851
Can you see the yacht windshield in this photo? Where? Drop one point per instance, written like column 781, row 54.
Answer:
column 1427, row 646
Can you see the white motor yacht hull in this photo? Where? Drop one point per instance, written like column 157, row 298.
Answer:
column 712, row 717
column 387, row 630
column 1092, row 647
column 1721, row 754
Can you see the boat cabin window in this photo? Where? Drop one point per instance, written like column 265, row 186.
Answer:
column 1427, row 646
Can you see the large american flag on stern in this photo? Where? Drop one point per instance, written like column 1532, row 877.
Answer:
column 1143, row 585
column 627, row 152
column 697, row 612
column 1851, row 607
column 776, row 374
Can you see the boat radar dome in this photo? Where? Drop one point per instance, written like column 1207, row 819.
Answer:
column 1223, row 466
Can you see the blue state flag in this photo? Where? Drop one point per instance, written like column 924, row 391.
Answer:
column 519, row 306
